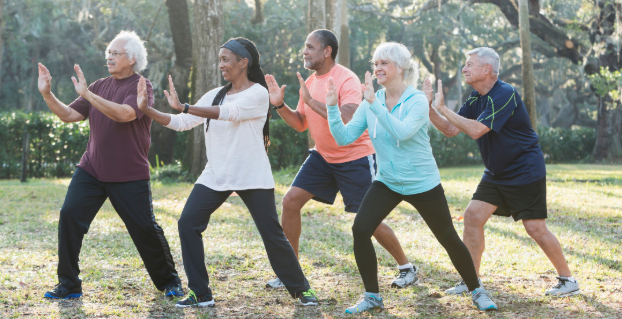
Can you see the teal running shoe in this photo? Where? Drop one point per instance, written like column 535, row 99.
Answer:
column 369, row 303
column 482, row 300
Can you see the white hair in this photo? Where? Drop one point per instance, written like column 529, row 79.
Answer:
column 487, row 56
column 134, row 48
column 399, row 55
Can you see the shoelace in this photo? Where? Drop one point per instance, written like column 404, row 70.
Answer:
column 59, row 288
column 403, row 273
column 192, row 297
column 562, row 282
column 483, row 294
column 308, row 293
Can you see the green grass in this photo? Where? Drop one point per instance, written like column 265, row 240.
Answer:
column 585, row 205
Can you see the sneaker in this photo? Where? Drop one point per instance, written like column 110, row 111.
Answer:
column 406, row 278
column 61, row 291
column 308, row 298
column 369, row 303
column 461, row 288
column 194, row 300
column 275, row 283
column 564, row 288
column 482, row 300
column 174, row 290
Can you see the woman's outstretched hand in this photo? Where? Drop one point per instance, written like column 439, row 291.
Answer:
column 331, row 93
column 172, row 98
column 428, row 91
column 368, row 89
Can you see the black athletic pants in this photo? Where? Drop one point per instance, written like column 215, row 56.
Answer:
column 432, row 206
column 132, row 201
column 202, row 202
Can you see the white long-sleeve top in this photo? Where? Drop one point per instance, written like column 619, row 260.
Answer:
column 236, row 157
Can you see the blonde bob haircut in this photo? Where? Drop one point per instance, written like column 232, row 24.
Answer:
column 399, row 55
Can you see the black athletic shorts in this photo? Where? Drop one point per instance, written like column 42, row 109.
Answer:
column 519, row 201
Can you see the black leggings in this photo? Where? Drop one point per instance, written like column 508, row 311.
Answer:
column 432, row 206
column 203, row 201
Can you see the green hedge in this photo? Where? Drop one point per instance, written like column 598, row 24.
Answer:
column 56, row 147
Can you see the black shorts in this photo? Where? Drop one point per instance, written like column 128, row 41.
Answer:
column 519, row 201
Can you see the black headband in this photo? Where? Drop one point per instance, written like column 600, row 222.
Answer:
column 239, row 49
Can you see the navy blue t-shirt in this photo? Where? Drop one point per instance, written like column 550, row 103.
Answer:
column 510, row 149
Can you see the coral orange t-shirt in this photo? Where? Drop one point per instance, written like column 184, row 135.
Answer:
column 349, row 90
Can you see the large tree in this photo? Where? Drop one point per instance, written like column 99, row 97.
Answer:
column 207, row 38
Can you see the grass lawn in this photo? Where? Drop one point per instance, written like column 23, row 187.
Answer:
column 585, row 212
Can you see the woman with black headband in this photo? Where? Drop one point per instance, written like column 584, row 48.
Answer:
column 236, row 120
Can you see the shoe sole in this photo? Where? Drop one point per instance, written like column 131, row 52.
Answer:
column 311, row 303
column 368, row 310
column 487, row 309
column 70, row 296
column 394, row 285
column 273, row 287
column 200, row 304
column 173, row 294
column 567, row 294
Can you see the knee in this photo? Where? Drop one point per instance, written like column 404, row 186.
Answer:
column 184, row 224
column 536, row 228
column 290, row 203
column 359, row 231
column 472, row 219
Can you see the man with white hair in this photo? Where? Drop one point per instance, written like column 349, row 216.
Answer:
column 514, row 182
column 114, row 167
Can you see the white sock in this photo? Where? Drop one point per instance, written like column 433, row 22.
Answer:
column 405, row 266
column 571, row 279
column 370, row 294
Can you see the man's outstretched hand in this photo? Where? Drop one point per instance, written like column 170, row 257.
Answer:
column 45, row 79
column 142, row 98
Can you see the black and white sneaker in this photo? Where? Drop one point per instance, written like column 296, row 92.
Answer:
column 174, row 290
column 565, row 287
column 407, row 277
column 61, row 291
column 308, row 298
column 194, row 300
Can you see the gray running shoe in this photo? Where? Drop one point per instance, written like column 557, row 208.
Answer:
column 461, row 288
column 275, row 283
column 367, row 304
column 564, row 288
column 406, row 278
column 482, row 300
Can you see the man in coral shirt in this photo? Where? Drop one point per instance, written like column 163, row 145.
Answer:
column 330, row 168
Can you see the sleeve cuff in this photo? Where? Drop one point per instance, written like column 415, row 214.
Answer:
column 224, row 113
column 174, row 123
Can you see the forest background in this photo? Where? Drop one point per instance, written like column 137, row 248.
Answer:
column 575, row 53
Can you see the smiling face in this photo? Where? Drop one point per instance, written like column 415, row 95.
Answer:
column 314, row 54
column 231, row 65
column 386, row 72
column 475, row 71
column 117, row 59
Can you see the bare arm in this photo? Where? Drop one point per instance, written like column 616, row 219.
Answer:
column 117, row 112
column 64, row 113
column 455, row 122
column 293, row 118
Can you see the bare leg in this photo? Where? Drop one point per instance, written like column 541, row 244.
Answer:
column 475, row 217
column 293, row 201
column 536, row 228
column 387, row 239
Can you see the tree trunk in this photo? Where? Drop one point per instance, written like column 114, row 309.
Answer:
column 162, row 138
column 258, row 18
column 529, row 90
column 207, row 38
column 1, row 39
column 316, row 19
column 344, row 38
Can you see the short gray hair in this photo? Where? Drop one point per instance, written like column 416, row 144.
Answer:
column 487, row 56
column 134, row 48
column 399, row 55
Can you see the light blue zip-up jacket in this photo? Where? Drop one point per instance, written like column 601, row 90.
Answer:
column 403, row 152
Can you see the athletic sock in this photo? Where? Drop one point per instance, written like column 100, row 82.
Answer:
column 571, row 279
column 405, row 266
column 373, row 294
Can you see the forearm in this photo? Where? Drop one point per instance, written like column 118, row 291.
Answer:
column 208, row 112
column 317, row 107
column 292, row 118
column 162, row 118
column 61, row 110
column 472, row 128
column 339, row 130
column 117, row 112
column 442, row 124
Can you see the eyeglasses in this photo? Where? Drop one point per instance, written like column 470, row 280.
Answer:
column 115, row 54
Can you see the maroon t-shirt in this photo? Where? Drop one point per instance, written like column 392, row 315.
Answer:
column 116, row 152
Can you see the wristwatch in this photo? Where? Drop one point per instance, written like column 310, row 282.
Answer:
column 278, row 107
column 186, row 108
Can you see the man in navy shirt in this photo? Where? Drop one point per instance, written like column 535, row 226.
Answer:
column 514, row 182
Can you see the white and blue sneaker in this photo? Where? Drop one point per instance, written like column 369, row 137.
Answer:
column 482, row 300
column 275, row 283
column 564, row 288
column 407, row 277
column 461, row 288
column 370, row 302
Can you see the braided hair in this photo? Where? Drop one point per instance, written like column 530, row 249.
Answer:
column 255, row 74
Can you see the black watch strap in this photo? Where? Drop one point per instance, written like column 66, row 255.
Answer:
column 278, row 107
column 186, row 107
